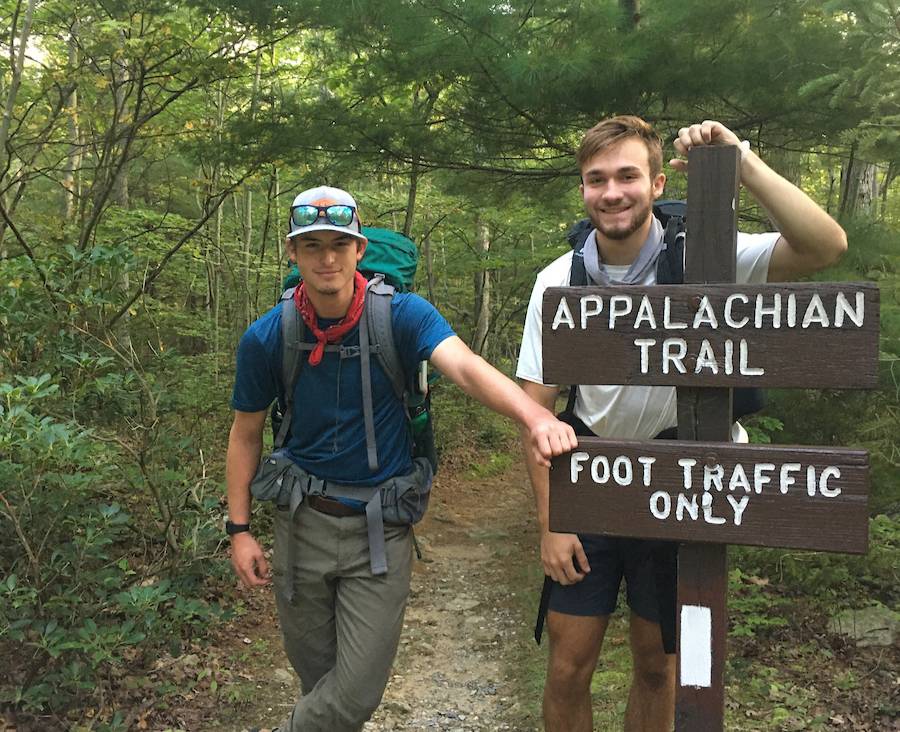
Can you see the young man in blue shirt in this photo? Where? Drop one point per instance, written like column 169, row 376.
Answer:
column 341, row 622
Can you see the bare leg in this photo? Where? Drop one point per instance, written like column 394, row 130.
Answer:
column 575, row 643
column 651, row 701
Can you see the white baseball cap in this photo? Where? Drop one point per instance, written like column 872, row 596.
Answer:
column 303, row 218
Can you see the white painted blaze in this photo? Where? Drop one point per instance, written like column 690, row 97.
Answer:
column 696, row 646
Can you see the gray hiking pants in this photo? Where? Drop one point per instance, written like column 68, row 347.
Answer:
column 342, row 627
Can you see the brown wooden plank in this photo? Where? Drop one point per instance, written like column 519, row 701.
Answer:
column 704, row 414
column 702, row 585
column 714, row 187
column 598, row 351
column 597, row 502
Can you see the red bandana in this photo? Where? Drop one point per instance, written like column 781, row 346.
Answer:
column 333, row 333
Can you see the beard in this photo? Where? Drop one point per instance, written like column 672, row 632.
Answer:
column 327, row 289
column 639, row 215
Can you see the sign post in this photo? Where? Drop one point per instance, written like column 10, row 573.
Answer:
column 705, row 337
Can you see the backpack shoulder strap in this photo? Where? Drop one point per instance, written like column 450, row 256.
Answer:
column 291, row 353
column 577, row 237
column 670, row 265
column 366, row 381
column 379, row 295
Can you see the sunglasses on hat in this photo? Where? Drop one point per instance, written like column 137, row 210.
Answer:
column 307, row 214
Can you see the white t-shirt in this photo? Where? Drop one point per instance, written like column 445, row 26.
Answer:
column 627, row 412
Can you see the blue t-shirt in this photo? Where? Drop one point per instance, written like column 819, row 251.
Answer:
column 328, row 435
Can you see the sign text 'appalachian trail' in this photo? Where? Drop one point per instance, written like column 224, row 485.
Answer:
column 801, row 335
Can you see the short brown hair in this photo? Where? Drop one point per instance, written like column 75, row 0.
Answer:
column 614, row 130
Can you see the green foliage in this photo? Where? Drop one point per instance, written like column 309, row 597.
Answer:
column 191, row 128
column 763, row 429
column 483, row 440
column 75, row 599
column 753, row 611
column 833, row 578
column 870, row 420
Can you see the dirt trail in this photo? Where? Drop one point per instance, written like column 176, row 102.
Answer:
column 464, row 622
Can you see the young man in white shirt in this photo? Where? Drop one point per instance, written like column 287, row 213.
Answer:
column 620, row 160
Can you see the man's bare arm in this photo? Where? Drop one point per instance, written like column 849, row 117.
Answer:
column 810, row 239
column 241, row 462
column 557, row 550
column 547, row 436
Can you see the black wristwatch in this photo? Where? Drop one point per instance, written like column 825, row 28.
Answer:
column 232, row 529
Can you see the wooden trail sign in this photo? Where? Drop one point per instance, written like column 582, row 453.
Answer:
column 705, row 338
column 796, row 497
column 787, row 335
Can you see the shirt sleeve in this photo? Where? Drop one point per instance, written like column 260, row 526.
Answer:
column 418, row 327
column 531, row 355
column 255, row 385
column 753, row 254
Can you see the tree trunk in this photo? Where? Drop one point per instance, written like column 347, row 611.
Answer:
column 213, row 249
column 889, row 176
column 217, row 289
column 120, row 76
column 16, row 80
column 278, row 249
column 246, row 256
column 411, row 198
column 391, row 190
column 429, row 267
column 248, row 206
column 832, row 182
column 264, row 237
column 787, row 163
column 71, row 178
column 17, row 55
column 110, row 181
column 120, row 195
column 416, row 169
column 482, row 290
column 444, row 279
column 631, row 13
column 859, row 187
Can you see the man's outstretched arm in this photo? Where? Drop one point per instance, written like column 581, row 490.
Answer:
column 546, row 435
column 810, row 239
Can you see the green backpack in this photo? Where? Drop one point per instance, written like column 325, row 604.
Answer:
column 389, row 263
column 388, row 253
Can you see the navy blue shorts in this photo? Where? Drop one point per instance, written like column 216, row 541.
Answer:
column 648, row 568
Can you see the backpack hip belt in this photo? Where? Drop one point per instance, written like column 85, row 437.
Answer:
column 401, row 499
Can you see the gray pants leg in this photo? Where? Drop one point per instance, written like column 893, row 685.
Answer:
column 342, row 628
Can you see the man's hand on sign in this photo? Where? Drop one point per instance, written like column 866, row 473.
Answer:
column 560, row 553
column 548, row 437
column 248, row 560
column 697, row 135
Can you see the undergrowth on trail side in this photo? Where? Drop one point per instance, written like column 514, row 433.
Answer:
column 471, row 438
column 96, row 585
